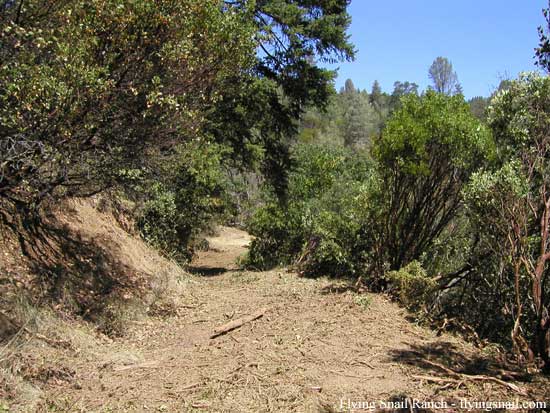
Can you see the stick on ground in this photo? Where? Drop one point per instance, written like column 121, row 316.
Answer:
column 232, row 325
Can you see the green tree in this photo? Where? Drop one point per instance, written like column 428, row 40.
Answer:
column 375, row 97
column 379, row 102
column 355, row 108
column 291, row 37
column 427, row 152
column 349, row 87
column 512, row 207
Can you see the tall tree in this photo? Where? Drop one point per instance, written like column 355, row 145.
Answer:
column 349, row 87
column 375, row 97
column 292, row 36
column 355, row 128
column 443, row 76
column 542, row 52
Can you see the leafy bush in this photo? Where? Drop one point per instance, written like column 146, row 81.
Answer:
column 412, row 286
column 191, row 194
column 510, row 206
column 88, row 87
column 425, row 156
column 317, row 226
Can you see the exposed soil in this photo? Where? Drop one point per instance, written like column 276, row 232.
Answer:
column 319, row 347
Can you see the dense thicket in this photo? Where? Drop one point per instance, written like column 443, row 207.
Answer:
column 318, row 224
column 89, row 87
column 408, row 192
column 511, row 205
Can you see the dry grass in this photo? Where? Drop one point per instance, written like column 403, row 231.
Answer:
column 52, row 340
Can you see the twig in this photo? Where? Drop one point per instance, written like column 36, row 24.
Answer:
column 365, row 363
column 191, row 386
column 435, row 379
column 232, row 325
column 146, row 365
column 346, row 375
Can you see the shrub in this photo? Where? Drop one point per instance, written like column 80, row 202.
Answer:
column 316, row 227
column 190, row 196
column 412, row 286
column 425, row 156
column 89, row 87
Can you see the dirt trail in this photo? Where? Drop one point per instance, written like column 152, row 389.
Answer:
column 319, row 347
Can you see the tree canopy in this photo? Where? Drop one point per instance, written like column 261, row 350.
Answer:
column 114, row 79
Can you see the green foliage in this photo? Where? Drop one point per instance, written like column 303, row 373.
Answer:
column 350, row 119
column 362, row 300
column 192, row 194
column 519, row 114
column 348, row 215
column 412, row 286
column 510, row 207
column 317, row 225
column 479, row 105
column 488, row 192
column 353, row 117
column 291, row 36
column 426, row 154
column 87, row 86
column 401, row 89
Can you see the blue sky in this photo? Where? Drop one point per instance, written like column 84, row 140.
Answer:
column 486, row 40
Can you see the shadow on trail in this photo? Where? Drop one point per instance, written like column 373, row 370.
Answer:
column 205, row 271
column 435, row 358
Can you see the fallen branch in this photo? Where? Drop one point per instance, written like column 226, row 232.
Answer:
column 191, row 386
column 232, row 325
column 346, row 374
column 471, row 377
column 364, row 363
column 436, row 379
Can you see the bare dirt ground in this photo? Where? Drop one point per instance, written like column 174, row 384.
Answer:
column 320, row 347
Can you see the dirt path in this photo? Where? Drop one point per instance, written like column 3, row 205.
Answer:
column 319, row 348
